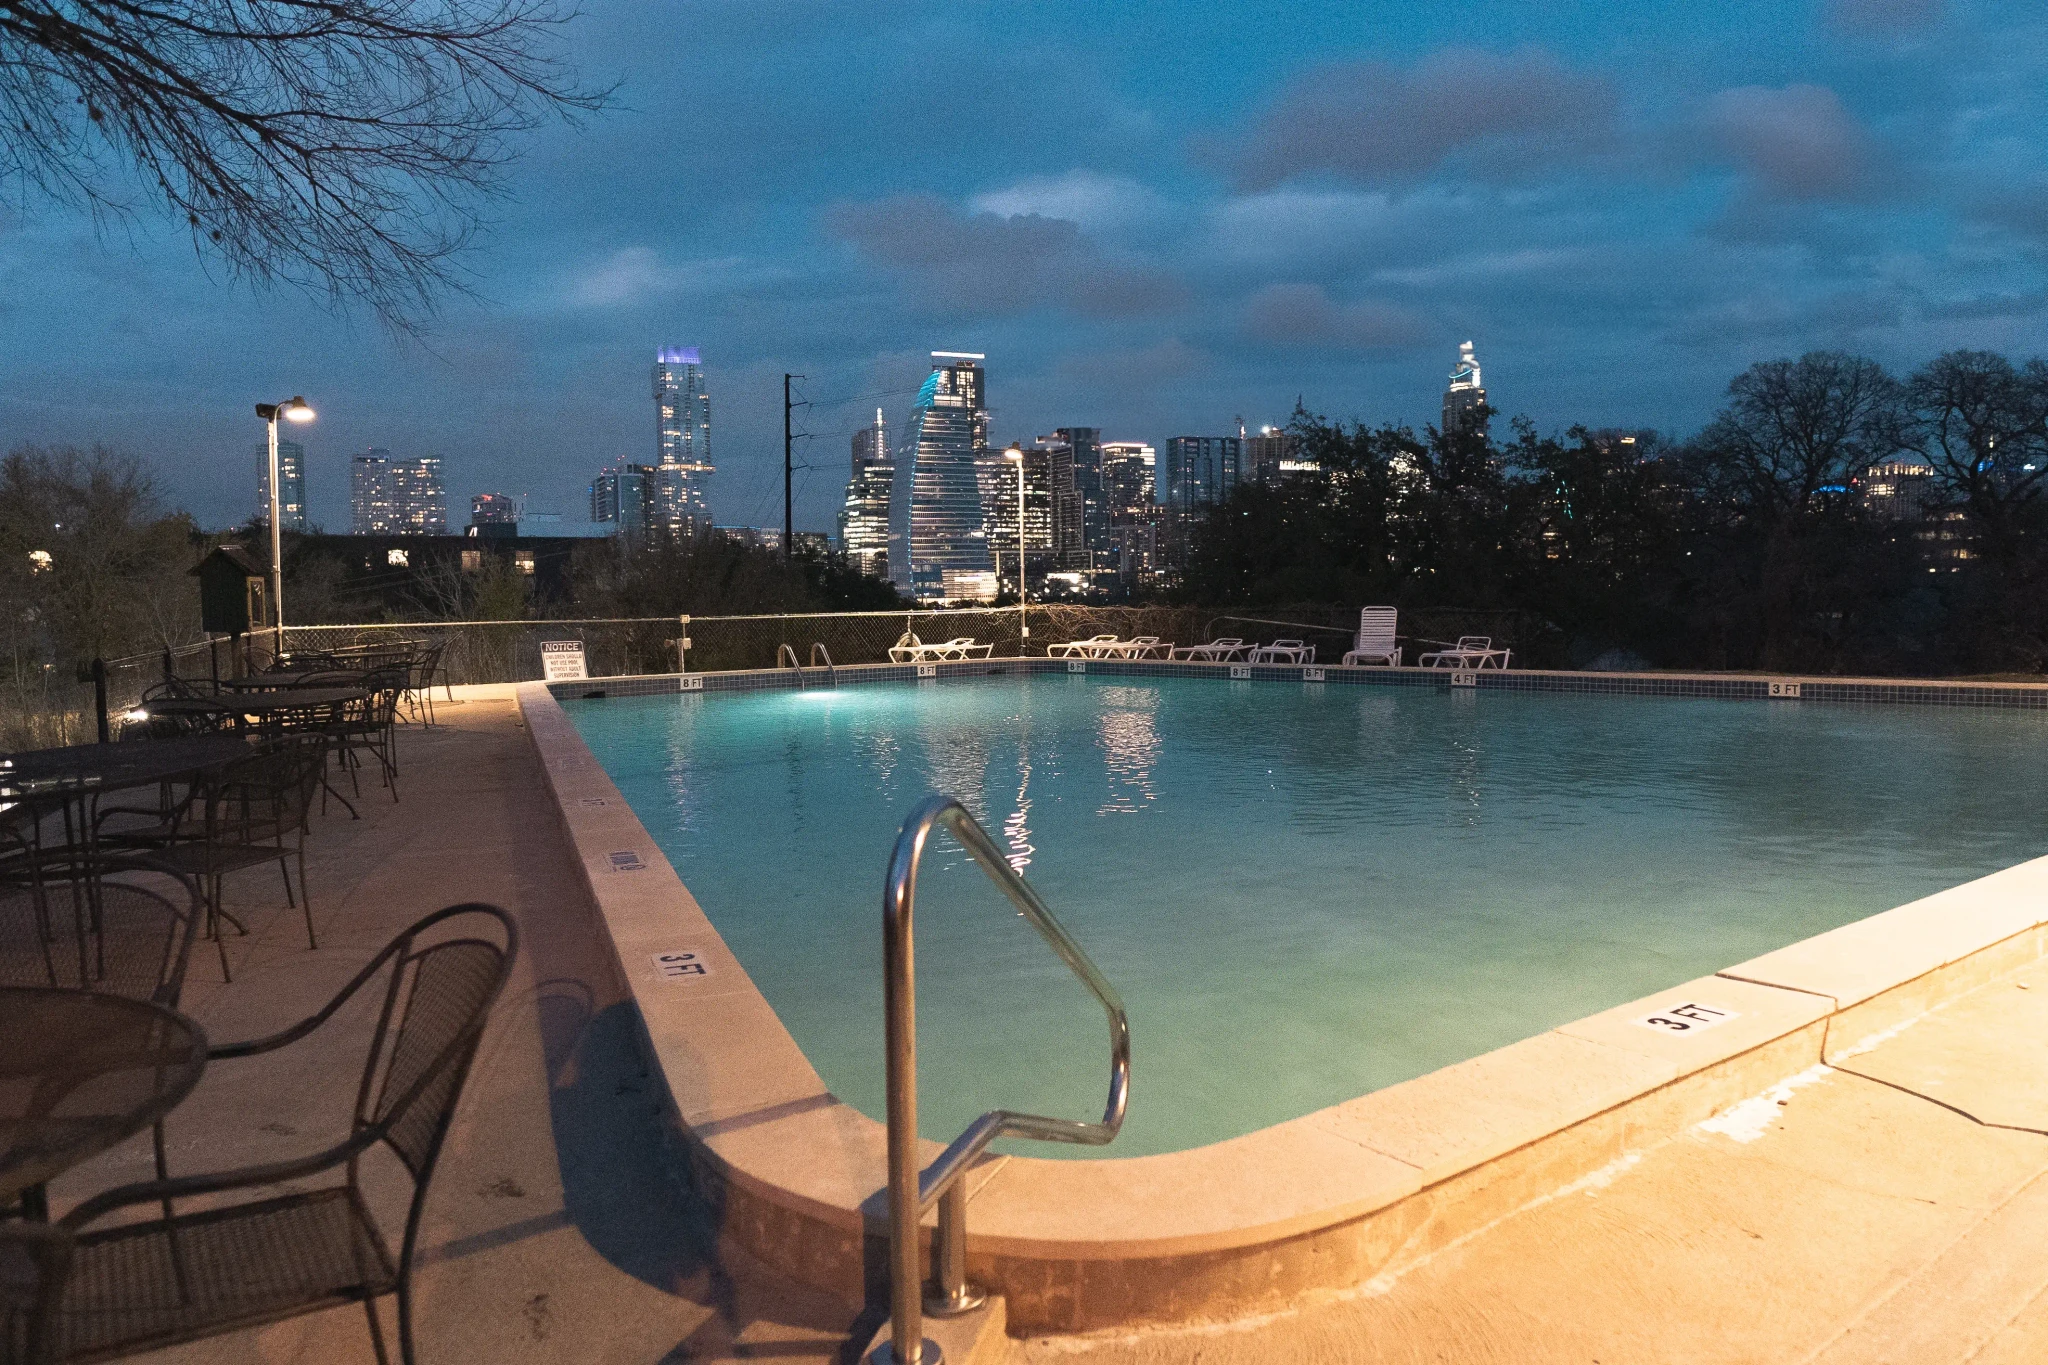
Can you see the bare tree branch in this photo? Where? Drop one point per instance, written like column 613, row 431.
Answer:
column 345, row 147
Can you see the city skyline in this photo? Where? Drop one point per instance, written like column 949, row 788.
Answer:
column 1591, row 193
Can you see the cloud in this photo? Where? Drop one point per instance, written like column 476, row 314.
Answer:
column 1303, row 315
column 1795, row 143
column 2021, row 210
column 1374, row 123
column 994, row 263
column 635, row 274
column 1884, row 18
column 1098, row 203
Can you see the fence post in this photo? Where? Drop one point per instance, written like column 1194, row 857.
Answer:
column 99, row 697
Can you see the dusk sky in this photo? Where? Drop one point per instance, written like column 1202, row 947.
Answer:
column 1153, row 217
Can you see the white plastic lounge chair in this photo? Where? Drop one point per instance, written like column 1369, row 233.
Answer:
column 1375, row 638
column 1215, row 652
column 1137, row 647
column 1284, row 652
column 1082, row 649
column 959, row 647
column 907, row 649
column 1471, row 651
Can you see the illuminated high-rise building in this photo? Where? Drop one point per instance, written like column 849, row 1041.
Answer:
column 1041, row 546
column 680, row 498
column 1129, row 481
column 1465, row 398
column 623, row 496
column 864, row 520
column 1080, row 521
column 493, row 509
column 389, row 496
column 1201, row 470
column 938, row 536
column 291, row 484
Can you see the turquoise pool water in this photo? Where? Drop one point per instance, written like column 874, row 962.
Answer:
column 1304, row 891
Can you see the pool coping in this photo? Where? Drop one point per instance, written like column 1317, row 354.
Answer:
column 1789, row 687
column 1325, row 1201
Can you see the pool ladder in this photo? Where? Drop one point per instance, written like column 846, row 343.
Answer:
column 912, row 1191
column 818, row 651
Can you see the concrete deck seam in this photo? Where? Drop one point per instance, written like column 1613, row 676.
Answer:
column 1942, row 1104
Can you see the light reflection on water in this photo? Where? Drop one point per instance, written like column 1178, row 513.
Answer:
column 1303, row 893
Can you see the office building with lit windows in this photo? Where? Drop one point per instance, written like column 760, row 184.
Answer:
column 623, row 497
column 291, row 484
column 391, row 496
column 1465, row 397
column 1201, row 470
column 864, row 520
column 680, row 494
column 1041, row 546
column 1129, row 481
column 938, row 534
column 493, row 509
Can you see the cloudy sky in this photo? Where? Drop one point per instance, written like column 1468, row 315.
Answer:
column 1154, row 217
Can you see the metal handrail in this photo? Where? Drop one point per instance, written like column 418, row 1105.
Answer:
column 831, row 673
column 911, row 1191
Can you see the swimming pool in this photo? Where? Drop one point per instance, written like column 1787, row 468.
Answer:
column 1304, row 892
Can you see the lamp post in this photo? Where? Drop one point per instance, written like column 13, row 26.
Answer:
column 294, row 409
column 1016, row 453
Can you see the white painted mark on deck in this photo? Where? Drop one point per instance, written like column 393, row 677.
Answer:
column 1687, row 1016
column 1751, row 1119
column 681, row 965
column 626, row 860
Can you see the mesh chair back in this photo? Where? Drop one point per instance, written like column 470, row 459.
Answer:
column 33, row 1261
column 265, row 794
column 88, row 933
column 447, row 989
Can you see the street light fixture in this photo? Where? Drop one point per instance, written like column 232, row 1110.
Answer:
column 293, row 409
column 1016, row 453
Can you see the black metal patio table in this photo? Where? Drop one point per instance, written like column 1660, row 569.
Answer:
column 260, row 707
column 285, row 680
column 80, row 1072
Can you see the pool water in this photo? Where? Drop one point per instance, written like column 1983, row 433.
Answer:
column 1304, row 892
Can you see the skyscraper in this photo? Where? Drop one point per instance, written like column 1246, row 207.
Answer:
column 1080, row 522
column 1041, row 499
column 1465, row 399
column 680, row 502
column 1129, row 474
column 938, row 542
column 864, row 520
column 291, row 484
column 1201, row 470
column 390, row 496
column 623, row 496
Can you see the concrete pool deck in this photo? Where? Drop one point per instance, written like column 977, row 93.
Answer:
column 559, row 1229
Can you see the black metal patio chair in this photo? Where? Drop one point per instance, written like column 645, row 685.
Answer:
column 33, row 1260
column 256, row 811
column 138, row 1286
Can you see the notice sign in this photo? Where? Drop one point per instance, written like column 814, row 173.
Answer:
column 562, row 661
column 1687, row 1017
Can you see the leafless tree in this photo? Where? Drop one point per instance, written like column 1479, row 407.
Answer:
column 1793, row 428
column 1982, row 422
column 343, row 146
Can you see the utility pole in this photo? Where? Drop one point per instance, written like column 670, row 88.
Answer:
column 788, row 520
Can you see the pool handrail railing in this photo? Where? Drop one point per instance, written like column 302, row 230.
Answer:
column 831, row 674
column 911, row 1191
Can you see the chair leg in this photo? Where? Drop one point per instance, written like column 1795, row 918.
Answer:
column 405, row 1316
column 376, row 1332
column 306, row 895
column 284, row 869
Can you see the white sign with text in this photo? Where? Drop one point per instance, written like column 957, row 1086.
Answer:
column 562, row 661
